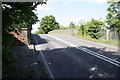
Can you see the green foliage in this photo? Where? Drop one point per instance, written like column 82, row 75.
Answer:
column 39, row 32
column 92, row 28
column 81, row 27
column 87, row 37
column 17, row 15
column 62, row 27
column 14, row 15
column 48, row 23
column 7, row 57
column 113, row 16
column 71, row 25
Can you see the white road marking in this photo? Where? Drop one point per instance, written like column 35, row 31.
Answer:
column 112, row 61
column 49, row 71
column 36, row 66
column 66, row 42
column 100, row 55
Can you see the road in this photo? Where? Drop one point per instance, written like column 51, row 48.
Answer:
column 68, row 57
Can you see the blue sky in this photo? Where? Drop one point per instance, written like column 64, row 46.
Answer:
column 66, row 11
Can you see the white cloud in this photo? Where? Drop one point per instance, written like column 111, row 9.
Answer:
column 65, row 0
column 91, row 1
column 45, row 7
column 65, row 3
column 98, row 1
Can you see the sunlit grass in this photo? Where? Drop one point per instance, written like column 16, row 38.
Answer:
column 86, row 37
column 37, row 32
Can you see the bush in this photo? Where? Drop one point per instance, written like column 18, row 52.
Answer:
column 92, row 28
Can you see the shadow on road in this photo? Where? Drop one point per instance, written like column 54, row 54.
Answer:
column 39, row 39
column 70, row 62
column 73, row 63
column 105, row 52
column 25, row 65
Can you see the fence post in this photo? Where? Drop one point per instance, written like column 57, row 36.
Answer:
column 119, row 42
column 107, row 35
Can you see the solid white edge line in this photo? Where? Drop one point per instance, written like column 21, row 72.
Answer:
column 36, row 66
column 73, row 45
column 49, row 71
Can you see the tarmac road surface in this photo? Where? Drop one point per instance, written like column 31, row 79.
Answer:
column 69, row 57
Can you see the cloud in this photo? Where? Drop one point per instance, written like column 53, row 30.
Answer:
column 65, row 3
column 90, row 1
column 97, row 1
column 45, row 7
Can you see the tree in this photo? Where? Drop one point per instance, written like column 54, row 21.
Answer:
column 17, row 13
column 92, row 28
column 81, row 27
column 113, row 16
column 71, row 25
column 48, row 23
column 14, row 15
column 62, row 27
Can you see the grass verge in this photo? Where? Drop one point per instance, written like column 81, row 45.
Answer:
column 86, row 37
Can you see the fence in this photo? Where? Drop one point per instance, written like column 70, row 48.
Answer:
column 106, row 33
column 109, row 34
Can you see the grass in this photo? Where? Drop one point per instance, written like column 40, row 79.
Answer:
column 86, row 37
column 37, row 32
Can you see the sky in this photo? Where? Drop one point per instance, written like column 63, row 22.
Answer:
column 66, row 11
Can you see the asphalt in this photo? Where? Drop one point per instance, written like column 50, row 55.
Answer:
column 65, row 61
column 27, row 64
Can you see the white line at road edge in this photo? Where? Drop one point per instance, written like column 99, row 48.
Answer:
column 112, row 61
column 35, row 66
column 49, row 71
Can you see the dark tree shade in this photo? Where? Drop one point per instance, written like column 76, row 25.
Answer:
column 14, row 15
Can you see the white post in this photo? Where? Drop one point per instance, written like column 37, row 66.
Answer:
column 107, row 30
